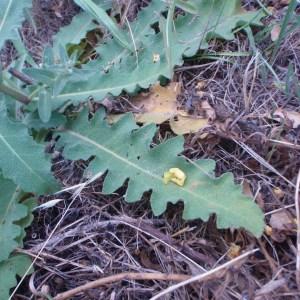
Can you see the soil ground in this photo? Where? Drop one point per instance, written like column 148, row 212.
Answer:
column 97, row 235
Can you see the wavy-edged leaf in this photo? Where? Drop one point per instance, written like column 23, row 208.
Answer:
column 22, row 159
column 188, row 6
column 14, row 218
column 76, row 31
column 10, row 212
column 100, row 15
column 124, row 150
column 30, row 204
column 32, row 120
column 11, row 16
column 120, row 71
column 9, row 269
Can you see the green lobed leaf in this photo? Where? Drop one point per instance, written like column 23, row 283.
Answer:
column 124, row 150
column 33, row 121
column 118, row 69
column 100, row 15
column 30, row 204
column 75, row 31
column 14, row 218
column 188, row 6
column 78, row 28
column 22, row 159
column 11, row 16
column 9, row 269
column 10, row 212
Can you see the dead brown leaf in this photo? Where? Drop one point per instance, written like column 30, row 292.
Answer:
column 160, row 105
column 248, row 192
column 275, row 32
column 247, row 189
column 185, row 124
column 291, row 118
column 234, row 251
column 281, row 221
column 285, row 2
column 207, row 111
column 279, row 193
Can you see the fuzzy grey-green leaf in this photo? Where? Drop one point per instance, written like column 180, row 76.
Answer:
column 124, row 150
column 100, row 15
column 11, row 16
column 10, row 212
column 22, row 159
column 120, row 70
column 9, row 269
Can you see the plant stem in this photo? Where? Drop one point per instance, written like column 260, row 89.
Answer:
column 14, row 93
column 21, row 76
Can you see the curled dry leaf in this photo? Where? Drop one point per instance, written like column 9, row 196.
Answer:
column 290, row 118
column 247, row 189
column 281, row 221
column 281, row 225
column 258, row 196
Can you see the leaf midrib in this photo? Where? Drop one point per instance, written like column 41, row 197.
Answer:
column 11, row 149
column 79, row 32
column 108, row 89
column 5, row 15
column 11, row 201
column 99, row 146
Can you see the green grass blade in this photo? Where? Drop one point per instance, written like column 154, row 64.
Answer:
column 283, row 33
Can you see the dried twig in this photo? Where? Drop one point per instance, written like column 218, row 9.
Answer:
column 118, row 277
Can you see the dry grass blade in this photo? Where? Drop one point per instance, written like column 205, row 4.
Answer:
column 205, row 276
column 283, row 31
column 41, row 250
column 129, row 222
column 262, row 161
column 298, row 230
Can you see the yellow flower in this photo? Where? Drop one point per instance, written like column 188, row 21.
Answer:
column 175, row 175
